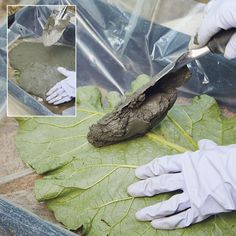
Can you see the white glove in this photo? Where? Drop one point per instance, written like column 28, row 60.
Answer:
column 220, row 14
column 207, row 178
column 63, row 91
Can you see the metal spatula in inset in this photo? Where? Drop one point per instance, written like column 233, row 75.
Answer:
column 55, row 26
column 147, row 107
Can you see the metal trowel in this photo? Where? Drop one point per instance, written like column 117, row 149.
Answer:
column 146, row 108
column 55, row 26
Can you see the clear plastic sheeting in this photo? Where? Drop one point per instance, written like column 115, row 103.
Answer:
column 118, row 40
column 30, row 21
column 122, row 40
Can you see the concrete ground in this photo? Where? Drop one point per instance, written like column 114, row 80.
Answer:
column 17, row 180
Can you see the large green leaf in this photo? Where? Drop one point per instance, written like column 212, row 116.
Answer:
column 86, row 186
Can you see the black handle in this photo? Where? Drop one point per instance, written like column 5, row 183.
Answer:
column 219, row 42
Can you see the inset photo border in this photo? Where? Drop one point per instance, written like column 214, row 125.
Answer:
column 41, row 61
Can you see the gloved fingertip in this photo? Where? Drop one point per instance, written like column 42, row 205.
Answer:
column 156, row 225
column 49, row 98
column 161, row 224
column 50, row 92
column 141, row 216
column 230, row 50
column 52, row 99
column 58, row 103
column 204, row 34
column 62, row 70
column 137, row 189
column 54, row 89
column 230, row 55
column 131, row 190
column 139, row 173
column 205, row 144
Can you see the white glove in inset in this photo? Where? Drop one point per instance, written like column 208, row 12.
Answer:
column 220, row 14
column 63, row 91
column 207, row 178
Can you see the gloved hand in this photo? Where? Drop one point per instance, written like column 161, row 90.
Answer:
column 207, row 178
column 63, row 91
column 219, row 15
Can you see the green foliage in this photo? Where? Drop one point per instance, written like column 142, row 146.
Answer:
column 85, row 186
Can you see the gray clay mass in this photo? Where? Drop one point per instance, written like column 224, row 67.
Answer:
column 139, row 113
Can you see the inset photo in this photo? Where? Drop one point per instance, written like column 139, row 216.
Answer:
column 41, row 61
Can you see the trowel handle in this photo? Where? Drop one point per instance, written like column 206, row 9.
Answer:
column 219, row 42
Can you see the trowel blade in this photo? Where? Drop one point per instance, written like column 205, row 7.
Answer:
column 54, row 29
column 183, row 60
column 51, row 38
